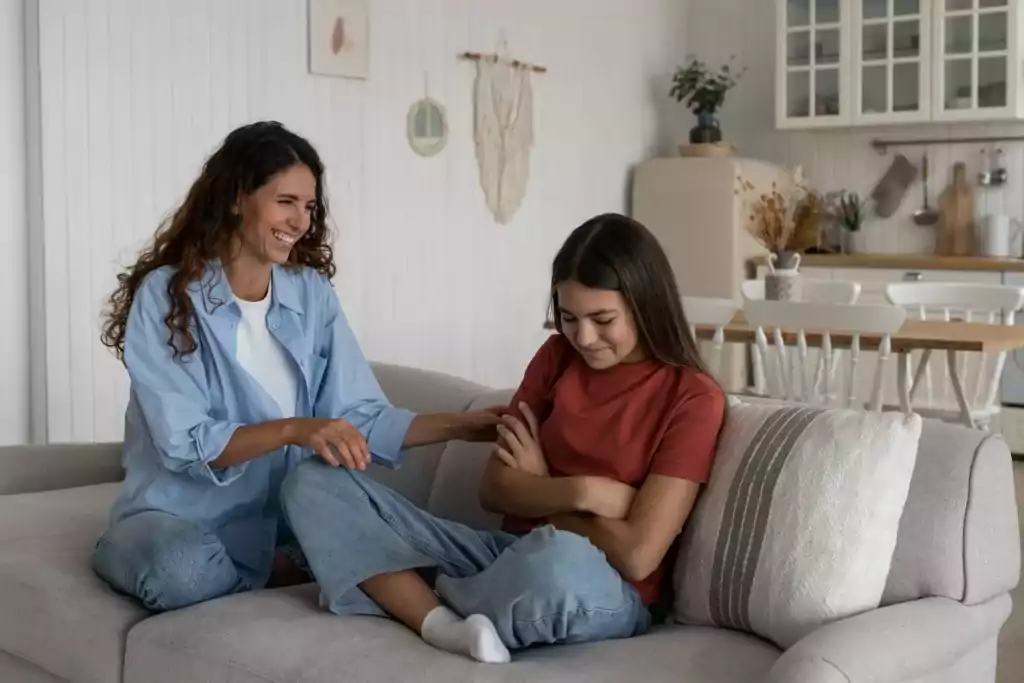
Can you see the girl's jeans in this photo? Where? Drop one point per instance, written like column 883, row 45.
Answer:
column 548, row 586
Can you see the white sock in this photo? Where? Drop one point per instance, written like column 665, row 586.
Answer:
column 473, row 637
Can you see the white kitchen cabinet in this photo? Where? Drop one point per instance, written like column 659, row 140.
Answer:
column 813, row 75
column 976, row 71
column 891, row 56
column 881, row 62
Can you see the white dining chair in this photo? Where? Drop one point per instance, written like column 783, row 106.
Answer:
column 715, row 311
column 824, row 291
column 821, row 291
column 968, row 386
column 795, row 377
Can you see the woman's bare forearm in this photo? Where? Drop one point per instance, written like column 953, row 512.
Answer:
column 432, row 428
column 251, row 441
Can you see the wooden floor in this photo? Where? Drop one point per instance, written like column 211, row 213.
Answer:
column 1011, row 641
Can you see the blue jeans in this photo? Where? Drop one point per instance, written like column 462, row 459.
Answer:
column 165, row 561
column 545, row 587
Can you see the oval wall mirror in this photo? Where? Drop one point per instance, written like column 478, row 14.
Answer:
column 427, row 127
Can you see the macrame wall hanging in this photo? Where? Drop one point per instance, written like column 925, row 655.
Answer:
column 503, row 128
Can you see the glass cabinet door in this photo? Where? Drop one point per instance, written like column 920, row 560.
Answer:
column 891, row 58
column 813, row 53
column 974, row 74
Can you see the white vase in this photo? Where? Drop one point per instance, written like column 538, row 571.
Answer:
column 783, row 283
column 856, row 242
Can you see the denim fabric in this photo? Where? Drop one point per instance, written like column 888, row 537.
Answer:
column 182, row 411
column 165, row 561
column 545, row 587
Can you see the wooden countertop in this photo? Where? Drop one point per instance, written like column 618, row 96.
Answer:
column 906, row 262
column 912, row 336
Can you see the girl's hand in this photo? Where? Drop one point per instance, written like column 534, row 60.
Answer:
column 337, row 442
column 606, row 497
column 519, row 444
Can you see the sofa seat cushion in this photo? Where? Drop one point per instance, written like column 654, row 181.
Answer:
column 68, row 621
column 282, row 636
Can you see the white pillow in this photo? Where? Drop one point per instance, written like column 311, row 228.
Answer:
column 797, row 525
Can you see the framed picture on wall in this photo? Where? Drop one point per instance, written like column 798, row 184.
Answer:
column 339, row 38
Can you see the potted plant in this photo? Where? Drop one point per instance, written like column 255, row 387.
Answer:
column 850, row 212
column 704, row 92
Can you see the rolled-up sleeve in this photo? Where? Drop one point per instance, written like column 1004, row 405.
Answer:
column 171, row 393
column 349, row 390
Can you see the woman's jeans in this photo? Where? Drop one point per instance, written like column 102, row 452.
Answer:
column 545, row 587
column 165, row 561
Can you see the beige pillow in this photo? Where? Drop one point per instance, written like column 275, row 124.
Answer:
column 797, row 525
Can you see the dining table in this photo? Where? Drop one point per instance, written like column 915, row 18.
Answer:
column 928, row 336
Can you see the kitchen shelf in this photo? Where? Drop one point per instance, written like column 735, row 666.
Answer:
column 906, row 262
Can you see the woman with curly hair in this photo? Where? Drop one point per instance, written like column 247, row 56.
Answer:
column 242, row 364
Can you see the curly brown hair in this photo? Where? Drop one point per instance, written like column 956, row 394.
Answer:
column 202, row 228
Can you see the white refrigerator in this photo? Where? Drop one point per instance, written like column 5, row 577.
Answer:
column 691, row 205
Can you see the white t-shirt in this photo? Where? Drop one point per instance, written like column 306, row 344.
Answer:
column 263, row 357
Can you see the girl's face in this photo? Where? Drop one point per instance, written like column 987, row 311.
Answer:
column 277, row 215
column 599, row 324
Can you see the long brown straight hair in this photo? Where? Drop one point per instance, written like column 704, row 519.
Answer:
column 617, row 253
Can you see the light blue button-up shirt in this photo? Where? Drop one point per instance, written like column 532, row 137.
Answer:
column 183, row 411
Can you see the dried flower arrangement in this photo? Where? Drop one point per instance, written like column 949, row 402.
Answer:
column 786, row 219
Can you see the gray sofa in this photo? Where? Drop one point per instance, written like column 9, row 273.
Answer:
column 958, row 555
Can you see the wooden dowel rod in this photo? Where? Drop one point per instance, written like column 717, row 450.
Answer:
column 514, row 63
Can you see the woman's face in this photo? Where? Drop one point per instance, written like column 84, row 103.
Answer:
column 599, row 324
column 277, row 215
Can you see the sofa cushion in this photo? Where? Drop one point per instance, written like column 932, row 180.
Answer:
column 420, row 391
column 281, row 636
column 456, row 491
column 799, row 520
column 68, row 621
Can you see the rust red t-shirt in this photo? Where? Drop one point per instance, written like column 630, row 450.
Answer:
column 623, row 423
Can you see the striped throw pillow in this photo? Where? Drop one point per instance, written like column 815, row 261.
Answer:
column 797, row 525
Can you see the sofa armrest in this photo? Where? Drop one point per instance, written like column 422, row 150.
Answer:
column 893, row 644
column 27, row 469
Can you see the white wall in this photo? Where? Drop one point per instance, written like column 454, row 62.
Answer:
column 135, row 93
column 14, row 301
column 841, row 158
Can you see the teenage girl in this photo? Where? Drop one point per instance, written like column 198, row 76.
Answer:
column 613, row 430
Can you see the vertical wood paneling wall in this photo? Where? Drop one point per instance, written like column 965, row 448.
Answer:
column 135, row 93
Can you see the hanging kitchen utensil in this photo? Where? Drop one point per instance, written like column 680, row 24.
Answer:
column 925, row 215
column 985, row 174
column 956, row 222
column 891, row 188
column 999, row 173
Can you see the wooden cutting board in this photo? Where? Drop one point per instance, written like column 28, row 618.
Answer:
column 956, row 216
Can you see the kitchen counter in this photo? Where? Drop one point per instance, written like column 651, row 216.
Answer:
column 904, row 262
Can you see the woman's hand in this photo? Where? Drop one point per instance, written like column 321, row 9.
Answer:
column 481, row 425
column 606, row 497
column 519, row 445
column 337, row 442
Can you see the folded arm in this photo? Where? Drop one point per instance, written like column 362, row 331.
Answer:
column 636, row 545
column 509, row 491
